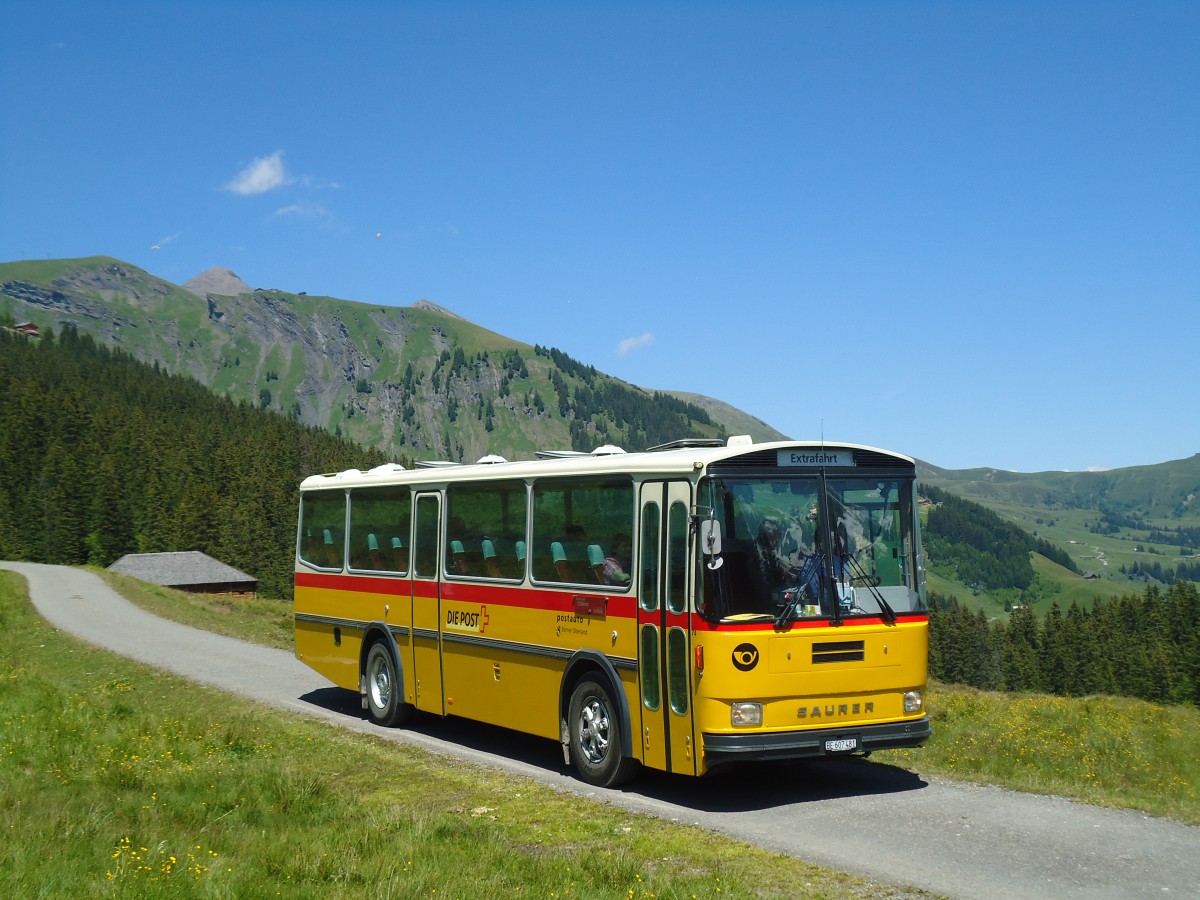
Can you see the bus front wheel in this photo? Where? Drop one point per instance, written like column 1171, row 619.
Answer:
column 384, row 701
column 595, row 736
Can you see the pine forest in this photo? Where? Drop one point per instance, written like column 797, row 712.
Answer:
column 101, row 455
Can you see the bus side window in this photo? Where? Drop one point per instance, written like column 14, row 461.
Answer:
column 379, row 516
column 322, row 524
column 480, row 520
column 581, row 531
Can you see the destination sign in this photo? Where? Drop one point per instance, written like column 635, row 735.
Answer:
column 816, row 457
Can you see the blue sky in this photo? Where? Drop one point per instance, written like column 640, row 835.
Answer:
column 966, row 231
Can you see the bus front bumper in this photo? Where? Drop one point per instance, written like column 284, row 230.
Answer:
column 721, row 749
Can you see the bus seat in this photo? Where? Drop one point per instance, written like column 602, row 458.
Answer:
column 489, row 558
column 459, row 556
column 559, row 555
column 373, row 552
column 333, row 553
column 596, row 562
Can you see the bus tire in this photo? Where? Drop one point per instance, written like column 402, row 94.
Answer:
column 385, row 704
column 595, row 736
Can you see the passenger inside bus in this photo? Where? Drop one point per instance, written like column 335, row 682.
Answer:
column 614, row 568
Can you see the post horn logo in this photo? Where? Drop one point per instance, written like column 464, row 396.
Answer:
column 745, row 657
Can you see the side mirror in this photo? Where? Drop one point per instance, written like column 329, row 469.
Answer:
column 710, row 542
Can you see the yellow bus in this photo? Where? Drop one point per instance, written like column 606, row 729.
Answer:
column 695, row 605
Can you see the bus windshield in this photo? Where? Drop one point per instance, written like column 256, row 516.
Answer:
column 809, row 547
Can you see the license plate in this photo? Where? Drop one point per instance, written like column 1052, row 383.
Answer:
column 841, row 746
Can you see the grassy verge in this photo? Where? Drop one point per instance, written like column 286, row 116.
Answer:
column 266, row 622
column 120, row 781
column 1109, row 751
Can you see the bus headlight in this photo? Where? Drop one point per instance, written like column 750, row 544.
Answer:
column 913, row 701
column 745, row 713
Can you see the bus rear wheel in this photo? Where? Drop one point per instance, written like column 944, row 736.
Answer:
column 596, row 737
column 385, row 704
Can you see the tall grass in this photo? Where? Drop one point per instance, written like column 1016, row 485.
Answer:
column 120, row 781
column 1110, row 751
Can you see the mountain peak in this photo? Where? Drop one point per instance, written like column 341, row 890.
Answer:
column 217, row 281
column 433, row 307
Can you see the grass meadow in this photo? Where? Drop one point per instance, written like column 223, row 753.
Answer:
column 120, row 781
column 117, row 780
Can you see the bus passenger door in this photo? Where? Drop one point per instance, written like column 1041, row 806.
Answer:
column 426, row 600
column 664, row 635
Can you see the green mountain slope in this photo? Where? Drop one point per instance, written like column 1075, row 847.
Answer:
column 416, row 381
column 1166, row 491
column 1121, row 528
column 733, row 420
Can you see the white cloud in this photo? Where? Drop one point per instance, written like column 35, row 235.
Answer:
column 162, row 242
column 303, row 211
column 309, row 182
column 633, row 343
column 264, row 174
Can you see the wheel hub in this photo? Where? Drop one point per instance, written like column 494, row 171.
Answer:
column 593, row 731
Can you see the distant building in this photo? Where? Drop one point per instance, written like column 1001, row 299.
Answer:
column 187, row 570
column 26, row 328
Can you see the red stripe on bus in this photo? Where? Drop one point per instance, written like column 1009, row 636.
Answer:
column 699, row 624
column 556, row 600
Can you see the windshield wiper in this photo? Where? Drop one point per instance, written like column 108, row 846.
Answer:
column 791, row 601
column 885, row 610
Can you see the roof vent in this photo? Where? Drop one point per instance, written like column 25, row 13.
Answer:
column 686, row 444
column 740, row 440
column 386, row 469
column 607, row 450
column 491, row 459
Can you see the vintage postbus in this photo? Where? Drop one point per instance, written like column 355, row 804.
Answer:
column 688, row 607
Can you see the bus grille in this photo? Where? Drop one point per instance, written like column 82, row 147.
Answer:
column 838, row 651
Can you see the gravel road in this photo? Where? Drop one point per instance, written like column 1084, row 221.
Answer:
column 886, row 824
